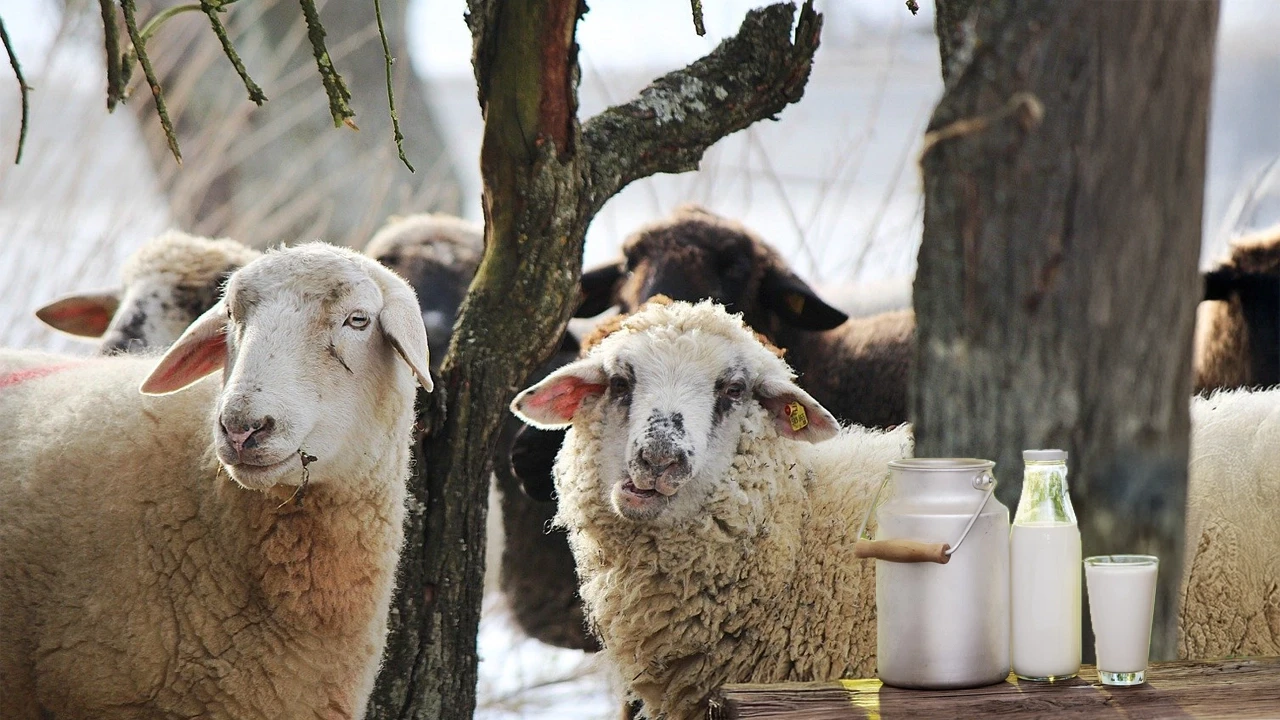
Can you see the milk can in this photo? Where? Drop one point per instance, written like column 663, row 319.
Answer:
column 942, row 574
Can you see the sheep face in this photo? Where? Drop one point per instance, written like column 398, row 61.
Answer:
column 168, row 283
column 673, row 387
column 308, row 340
column 154, row 311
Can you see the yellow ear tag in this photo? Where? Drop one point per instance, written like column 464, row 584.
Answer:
column 795, row 412
column 795, row 301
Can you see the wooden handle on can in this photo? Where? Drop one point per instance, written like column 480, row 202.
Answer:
column 909, row 551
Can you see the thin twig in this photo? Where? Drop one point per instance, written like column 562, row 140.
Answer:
column 129, row 58
column 139, row 48
column 698, row 25
column 22, row 86
column 111, row 34
column 334, row 87
column 301, row 490
column 391, row 98
column 211, row 8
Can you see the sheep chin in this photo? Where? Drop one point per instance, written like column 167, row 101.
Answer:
column 263, row 477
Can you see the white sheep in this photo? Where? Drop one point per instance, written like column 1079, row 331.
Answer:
column 167, row 283
column 227, row 551
column 1231, row 578
column 712, row 546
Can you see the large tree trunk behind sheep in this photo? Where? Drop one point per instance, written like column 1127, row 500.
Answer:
column 1057, row 285
column 545, row 177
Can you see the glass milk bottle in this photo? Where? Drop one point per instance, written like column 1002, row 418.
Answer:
column 1045, row 570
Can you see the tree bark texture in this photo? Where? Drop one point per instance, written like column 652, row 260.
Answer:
column 954, row 27
column 1057, row 283
column 545, row 177
column 282, row 172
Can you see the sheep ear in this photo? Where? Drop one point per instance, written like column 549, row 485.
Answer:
column 796, row 303
column 795, row 413
column 86, row 315
column 597, row 290
column 402, row 325
column 201, row 350
column 552, row 403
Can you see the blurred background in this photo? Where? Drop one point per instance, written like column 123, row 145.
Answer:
column 834, row 183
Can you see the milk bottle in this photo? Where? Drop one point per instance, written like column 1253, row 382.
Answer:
column 1045, row 572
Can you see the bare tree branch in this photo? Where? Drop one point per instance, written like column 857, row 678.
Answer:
column 111, row 37
column 391, row 96
column 750, row 76
column 211, row 8
column 334, row 87
column 139, row 48
column 22, row 87
column 698, row 25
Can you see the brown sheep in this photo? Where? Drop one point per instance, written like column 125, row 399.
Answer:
column 1237, row 338
column 856, row 368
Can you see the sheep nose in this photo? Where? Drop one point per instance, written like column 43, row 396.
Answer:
column 656, row 461
column 246, row 435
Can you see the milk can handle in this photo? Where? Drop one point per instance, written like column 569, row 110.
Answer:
column 914, row 550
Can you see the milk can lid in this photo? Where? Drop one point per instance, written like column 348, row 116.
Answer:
column 1044, row 455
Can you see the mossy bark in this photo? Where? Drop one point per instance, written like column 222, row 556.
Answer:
column 545, row 177
column 1057, row 280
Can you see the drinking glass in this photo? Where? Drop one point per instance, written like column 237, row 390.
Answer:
column 1122, row 600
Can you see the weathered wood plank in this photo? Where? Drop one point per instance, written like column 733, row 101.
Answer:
column 1243, row 688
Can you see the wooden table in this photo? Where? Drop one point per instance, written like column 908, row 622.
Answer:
column 1240, row 688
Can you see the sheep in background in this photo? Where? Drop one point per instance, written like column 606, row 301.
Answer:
column 229, row 550
column 1231, row 577
column 438, row 254
column 167, row 284
column 857, row 369
column 1237, row 336
column 712, row 539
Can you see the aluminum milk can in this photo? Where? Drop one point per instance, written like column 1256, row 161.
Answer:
column 942, row 574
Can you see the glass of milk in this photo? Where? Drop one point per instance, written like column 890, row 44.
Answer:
column 1122, row 600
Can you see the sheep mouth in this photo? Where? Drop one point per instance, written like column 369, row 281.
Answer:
column 639, row 493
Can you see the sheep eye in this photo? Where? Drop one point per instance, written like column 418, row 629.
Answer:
column 735, row 389
column 358, row 320
column 619, row 385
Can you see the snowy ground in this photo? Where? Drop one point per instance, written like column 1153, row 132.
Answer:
column 833, row 184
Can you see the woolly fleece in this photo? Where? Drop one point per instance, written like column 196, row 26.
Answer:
column 763, row 587
column 1231, row 581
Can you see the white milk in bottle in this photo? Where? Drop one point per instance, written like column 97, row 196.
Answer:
column 1045, row 573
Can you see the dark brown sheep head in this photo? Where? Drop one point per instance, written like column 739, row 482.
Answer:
column 695, row 254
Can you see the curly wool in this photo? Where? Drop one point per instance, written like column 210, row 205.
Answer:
column 765, row 588
column 193, row 261
column 1231, row 578
column 170, row 591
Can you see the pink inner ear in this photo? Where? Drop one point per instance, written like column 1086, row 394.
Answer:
column 561, row 399
column 177, row 372
column 78, row 316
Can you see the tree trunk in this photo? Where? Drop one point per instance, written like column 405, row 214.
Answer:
column 1057, row 283
column 282, row 172
column 545, row 177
